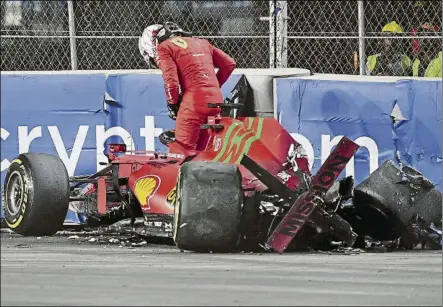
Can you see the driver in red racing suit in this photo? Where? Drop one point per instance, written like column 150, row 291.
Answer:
column 187, row 64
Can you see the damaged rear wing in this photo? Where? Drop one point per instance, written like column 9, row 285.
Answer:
column 306, row 206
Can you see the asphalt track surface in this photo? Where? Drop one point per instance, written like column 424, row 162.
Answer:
column 62, row 271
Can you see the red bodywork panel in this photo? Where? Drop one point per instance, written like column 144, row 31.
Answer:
column 305, row 205
column 264, row 140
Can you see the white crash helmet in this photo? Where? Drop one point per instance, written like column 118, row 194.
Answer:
column 147, row 43
column 155, row 34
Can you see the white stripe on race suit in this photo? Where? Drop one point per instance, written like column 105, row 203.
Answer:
column 168, row 89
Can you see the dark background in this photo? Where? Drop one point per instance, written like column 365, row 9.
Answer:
column 125, row 21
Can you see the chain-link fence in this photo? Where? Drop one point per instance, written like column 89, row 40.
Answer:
column 417, row 30
column 35, row 34
column 324, row 36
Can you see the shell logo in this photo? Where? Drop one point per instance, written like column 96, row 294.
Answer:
column 145, row 188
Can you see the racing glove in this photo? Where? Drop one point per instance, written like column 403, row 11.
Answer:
column 173, row 110
column 174, row 107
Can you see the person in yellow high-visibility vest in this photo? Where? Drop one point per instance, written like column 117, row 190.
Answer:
column 425, row 62
column 434, row 68
column 392, row 61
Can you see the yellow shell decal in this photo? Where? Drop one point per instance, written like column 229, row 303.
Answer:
column 145, row 188
column 179, row 42
column 170, row 198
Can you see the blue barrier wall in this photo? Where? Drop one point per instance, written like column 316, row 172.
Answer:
column 140, row 107
column 418, row 138
column 59, row 110
column 69, row 114
column 319, row 110
column 72, row 116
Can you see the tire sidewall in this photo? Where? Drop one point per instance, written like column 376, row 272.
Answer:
column 16, row 221
column 177, row 208
column 188, row 212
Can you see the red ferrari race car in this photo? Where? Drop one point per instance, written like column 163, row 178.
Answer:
column 248, row 186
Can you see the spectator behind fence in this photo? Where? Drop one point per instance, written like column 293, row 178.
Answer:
column 392, row 61
column 416, row 31
column 434, row 68
column 426, row 57
column 423, row 10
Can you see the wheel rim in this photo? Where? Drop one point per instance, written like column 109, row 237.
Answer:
column 14, row 193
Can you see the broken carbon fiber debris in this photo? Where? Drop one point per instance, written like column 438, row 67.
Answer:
column 395, row 208
column 6, row 230
column 107, row 235
column 117, row 233
column 22, row 245
column 403, row 204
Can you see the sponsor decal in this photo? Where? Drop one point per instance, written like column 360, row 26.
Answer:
column 179, row 42
column 297, row 219
column 25, row 138
column 88, row 189
column 145, row 188
column 284, row 176
column 305, row 205
column 238, row 140
column 171, row 197
column 176, row 156
column 217, row 143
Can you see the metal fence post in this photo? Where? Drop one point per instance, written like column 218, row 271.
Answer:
column 281, row 12
column 72, row 42
column 361, row 37
column 272, row 28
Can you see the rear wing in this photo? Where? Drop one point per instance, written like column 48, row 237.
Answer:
column 307, row 206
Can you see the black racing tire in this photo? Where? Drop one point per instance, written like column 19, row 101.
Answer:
column 36, row 194
column 208, row 208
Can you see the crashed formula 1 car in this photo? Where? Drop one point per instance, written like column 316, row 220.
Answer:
column 248, row 186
